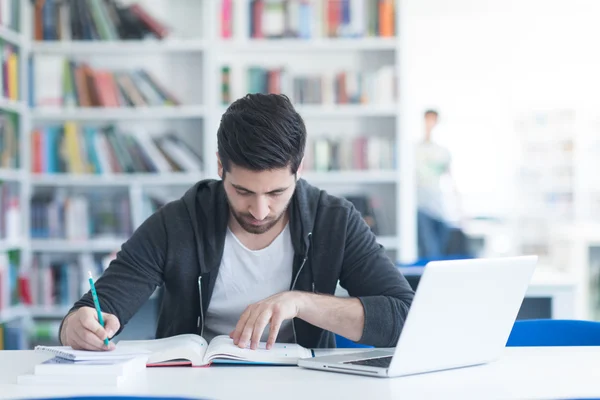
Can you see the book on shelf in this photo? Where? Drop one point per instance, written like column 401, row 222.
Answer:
column 61, row 82
column 10, row 212
column 13, row 336
column 340, row 87
column 194, row 350
column 73, row 20
column 76, row 149
column 307, row 19
column 9, row 141
column 364, row 205
column 350, row 153
column 10, row 279
column 56, row 280
column 10, row 14
column 96, row 214
column 9, row 84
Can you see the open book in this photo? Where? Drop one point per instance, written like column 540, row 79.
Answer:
column 190, row 349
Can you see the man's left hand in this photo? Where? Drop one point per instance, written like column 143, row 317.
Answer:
column 272, row 310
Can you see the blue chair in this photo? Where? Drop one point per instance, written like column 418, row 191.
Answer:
column 344, row 343
column 554, row 332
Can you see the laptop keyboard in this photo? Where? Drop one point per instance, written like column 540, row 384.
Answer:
column 381, row 362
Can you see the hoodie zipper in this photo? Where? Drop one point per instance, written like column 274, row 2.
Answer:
column 296, row 279
column 200, row 323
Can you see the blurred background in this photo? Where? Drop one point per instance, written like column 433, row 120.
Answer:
column 459, row 129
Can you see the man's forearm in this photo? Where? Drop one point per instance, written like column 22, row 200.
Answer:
column 344, row 316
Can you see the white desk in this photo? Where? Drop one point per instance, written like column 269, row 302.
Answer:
column 521, row 373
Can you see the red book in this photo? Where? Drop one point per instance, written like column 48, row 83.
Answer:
column 159, row 29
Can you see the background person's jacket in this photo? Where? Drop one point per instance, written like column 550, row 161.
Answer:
column 181, row 245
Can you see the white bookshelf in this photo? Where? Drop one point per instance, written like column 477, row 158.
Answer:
column 12, row 106
column 347, row 111
column 125, row 180
column 129, row 47
column 77, row 246
column 52, row 312
column 351, row 177
column 310, row 45
column 118, row 114
column 8, row 244
column 10, row 36
column 13, row 313
column 190, row 65
column 12, row 175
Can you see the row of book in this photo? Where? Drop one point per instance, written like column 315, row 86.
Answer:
column 76, row 149
column 343, row 87
column 9, row 60
column 59, row 280
column 94, row 20
column 81, row 216
column 13, row 336
column 350, row 153
column 9, row 141
column 10, row 14
column 314, row 18
column 10, row 212
column 60, row 82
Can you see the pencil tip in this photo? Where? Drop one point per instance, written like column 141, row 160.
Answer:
column 90, row 274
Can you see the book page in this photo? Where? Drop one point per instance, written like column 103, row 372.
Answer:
column 181, row 347
column 222, row 347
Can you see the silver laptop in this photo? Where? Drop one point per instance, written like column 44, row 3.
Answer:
column 462, row 315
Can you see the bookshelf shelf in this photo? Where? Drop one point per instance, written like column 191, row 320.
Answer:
column 12, row 313
column 77, row 246
column 52, row 312
column 119, row 114
column 148, row 179
column 6, row 245
column 10, row 36
column 389, row 242
column 311, row 45
column 12, row 106
column 354, row 177
column 349, row 110
column 126, row 48
column 11, row 175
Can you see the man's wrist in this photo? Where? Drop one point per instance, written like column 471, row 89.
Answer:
column 302, row 301
column 63, row 328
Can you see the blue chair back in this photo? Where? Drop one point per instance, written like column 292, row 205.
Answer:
column 554, row 332
column 344, row 343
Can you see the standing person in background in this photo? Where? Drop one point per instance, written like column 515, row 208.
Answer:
column 432, row 166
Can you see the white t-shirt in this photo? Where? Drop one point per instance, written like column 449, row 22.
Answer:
column 432, row 163
column 246, row 277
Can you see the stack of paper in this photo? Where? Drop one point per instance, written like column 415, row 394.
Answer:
column 89, row 368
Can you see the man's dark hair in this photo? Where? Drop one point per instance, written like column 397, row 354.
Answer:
column 431, row 111
column 261, row 132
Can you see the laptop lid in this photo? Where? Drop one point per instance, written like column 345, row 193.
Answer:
column 462, row 313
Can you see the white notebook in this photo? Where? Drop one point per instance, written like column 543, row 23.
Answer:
column 105, row 366
column 68, row 353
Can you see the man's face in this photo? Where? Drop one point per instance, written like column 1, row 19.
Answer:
column 258, row 200
column 430, row 121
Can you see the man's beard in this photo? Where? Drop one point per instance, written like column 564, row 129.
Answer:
column 244, row 220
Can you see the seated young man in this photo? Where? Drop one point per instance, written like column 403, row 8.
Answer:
column 255, row 255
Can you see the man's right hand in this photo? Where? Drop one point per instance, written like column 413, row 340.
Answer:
column 82, row 331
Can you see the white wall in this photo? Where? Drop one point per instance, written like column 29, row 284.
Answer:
column 481, row 61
